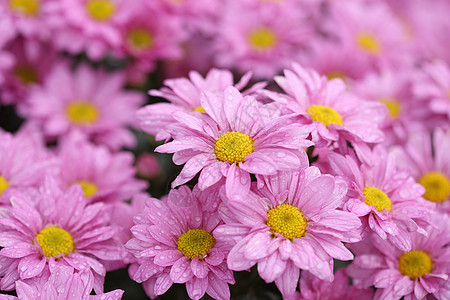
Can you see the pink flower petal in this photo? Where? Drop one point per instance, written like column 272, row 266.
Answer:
column 31, row 266
column 199, row 268
column 167, row 258
column 181, row 270
column 196, row 287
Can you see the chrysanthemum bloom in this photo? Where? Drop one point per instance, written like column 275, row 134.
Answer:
column 174, row 241
column 387, row 200
column 90, row 25
column 104, row 176
column 23, row 162
column 420, row 273
column 60, row 229
column 337, row 113
column 249, row 37
column 63, row 283
column 90, row 101
column 235, row 137
column 184, row 95
column 432, row 87
column 428, row 161
column 373, row 32
column 289, row 224
column 311, row 287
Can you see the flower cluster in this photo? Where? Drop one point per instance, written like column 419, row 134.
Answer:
column 308, row 144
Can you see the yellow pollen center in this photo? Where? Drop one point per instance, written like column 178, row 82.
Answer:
column 89, row 188
column 368, row 42
column 325, row 115
column 195, row 243
column 415, row 264
column 233, row 147
column 55, row 241
column 26, row 7
column 336, row 74
column 26, row 75
column 377, row 198
column 262, row 39
column 437, row 186
column 100, row 10
column 199, row 109
column 393, row 107
column 82, row 112
column 287, row 220
column 140, row 39
column 3, row 184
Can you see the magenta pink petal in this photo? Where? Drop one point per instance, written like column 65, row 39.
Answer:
column 31, row 266
column 196, row 287
column 181, row 270
column 199, row 268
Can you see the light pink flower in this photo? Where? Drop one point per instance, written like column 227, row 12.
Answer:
column 104, row 176
column 416, row 274
column 174, row 243
column 86, row 100
column 291, row 223
column 32, row 227
column 184, row 96
column 338, row 114
column 426, row 158
column 387, row 200
column 235, row 137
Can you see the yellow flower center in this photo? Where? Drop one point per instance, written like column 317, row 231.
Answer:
column 100, row 10
column 415, row 264
column 287, row 220
column 195, row 243
column 336, row 74
column 199, row 109
column 26, row 7
column 140, row 38
column 377, row 198
column 325, row 115
column 82, row 112
column 233, row 147
column 55, row 241
column 437, row 186
column 368, row 42
column 393, row 107
column 26, row 75
column 262, row 39
column 3, row 184
column 89, row 188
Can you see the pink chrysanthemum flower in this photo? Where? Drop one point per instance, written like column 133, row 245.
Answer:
column 90, row 101
column 90, row 25
column 174, row 241
column 60, row 229
column 250, row 38
column 311, row 287
column 337, row 113
column 427, row 159
column 104, row 176
column 421, row 273
column 184, row 95
column 289, row 224
column 432, row 86
column 235, row 137
column 63, row 283
column 387, row 200
column 23, row 162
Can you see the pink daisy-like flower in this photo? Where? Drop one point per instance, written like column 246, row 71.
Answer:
column 235, row 137
column 104, row 176
column 387, row 200
column 311, row 287
column 432, row 86
column 337, row 113
column 90, row 101
column 249, row 37
column 426, row 159
column 289, row 224
column 59, row 229
column 421, row 273
column 174, row 241
column 184, row 95
column 63, row 283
